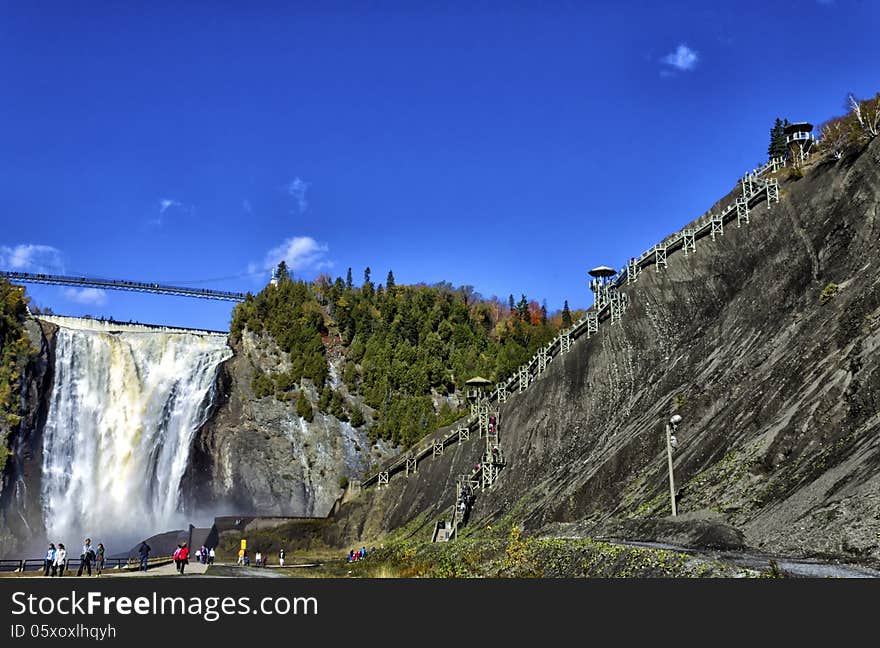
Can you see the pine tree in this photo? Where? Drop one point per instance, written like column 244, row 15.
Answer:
column 357, row 417
column 566, row 316
column 510, row 303
column 523, row 309
column 367, row 275
column 324, row 400
column 348, row 280
column 389, row 283
column 337, row 407
column 304, row 407
column 544, row 312
column 777, row 146
column 282, row 273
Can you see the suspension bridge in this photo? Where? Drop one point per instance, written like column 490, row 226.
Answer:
column 121, row 284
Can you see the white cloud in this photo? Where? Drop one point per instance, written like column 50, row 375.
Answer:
column 91, row 296
column 28, row 257
column 166, row 203
column 299, row 253
column 683, row 58
column 298, row 188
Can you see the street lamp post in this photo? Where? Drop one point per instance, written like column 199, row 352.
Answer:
column 671, row 427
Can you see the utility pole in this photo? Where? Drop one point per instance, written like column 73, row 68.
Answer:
column 670, row 427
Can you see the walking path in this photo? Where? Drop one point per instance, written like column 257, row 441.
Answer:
column 162, row 570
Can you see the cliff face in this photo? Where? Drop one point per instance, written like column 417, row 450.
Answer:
column 256, row 456
column 765, row 342
column 21, row 516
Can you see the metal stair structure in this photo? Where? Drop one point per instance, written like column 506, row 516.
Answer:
column 610, row 306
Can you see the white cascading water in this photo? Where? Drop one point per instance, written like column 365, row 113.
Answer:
column 125, row 405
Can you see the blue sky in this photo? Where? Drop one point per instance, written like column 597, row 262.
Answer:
column 506, row 145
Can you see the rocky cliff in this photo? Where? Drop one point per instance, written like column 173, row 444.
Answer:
column 764, row 341
column 257, row 456
column 21, row 516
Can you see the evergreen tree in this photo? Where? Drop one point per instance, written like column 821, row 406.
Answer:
column 777, row 146
column 367, row 288
column 282, row 273
column 390, row 281
column 325, row 398
column 349, row 284
column 357, row 417
column 304, row 407
column 544, row 312
column 337, row 407
column 510, row 304
column 566, row 316
column 522, row 309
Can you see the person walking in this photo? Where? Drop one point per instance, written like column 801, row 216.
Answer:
column 85, row 558
column 50, row 560
column 211, row 555
column 258, row 558
column 144, row 553
column 60, row 560
column 182, row 557
column 99, row 559
column 281, row 558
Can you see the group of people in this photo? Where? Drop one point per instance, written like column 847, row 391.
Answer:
column 466, row 499
column 260, row 560
column 205, row 555
column 56, row 559
column 358, row 554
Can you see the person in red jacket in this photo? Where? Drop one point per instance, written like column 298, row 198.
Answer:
column 182, row 557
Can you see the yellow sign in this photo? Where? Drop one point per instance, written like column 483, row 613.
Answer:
column 243, row 543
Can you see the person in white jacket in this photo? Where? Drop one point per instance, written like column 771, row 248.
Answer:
column 60, row 559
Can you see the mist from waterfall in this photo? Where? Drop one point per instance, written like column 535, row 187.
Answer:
column 125, row 405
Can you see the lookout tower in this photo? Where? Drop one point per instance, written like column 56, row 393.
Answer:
column 477, row 387
column 799, row 138
column 599, row 284
column 274, row 280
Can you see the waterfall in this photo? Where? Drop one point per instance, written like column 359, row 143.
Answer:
column 125, row 405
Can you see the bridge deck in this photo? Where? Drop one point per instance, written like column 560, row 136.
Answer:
column 120, row 284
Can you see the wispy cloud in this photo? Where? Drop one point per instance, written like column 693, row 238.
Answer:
column 90, row 296
column 166, row 203
column 298, row 188
column 169, row 205
column 682, row 59
column 300, row 253
column 30, row 257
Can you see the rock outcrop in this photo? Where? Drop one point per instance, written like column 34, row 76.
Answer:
column 765, row 342
column 21, row 515
column 257, row 456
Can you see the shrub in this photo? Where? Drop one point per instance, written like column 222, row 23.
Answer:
column 828, row 293
column 304, row 407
